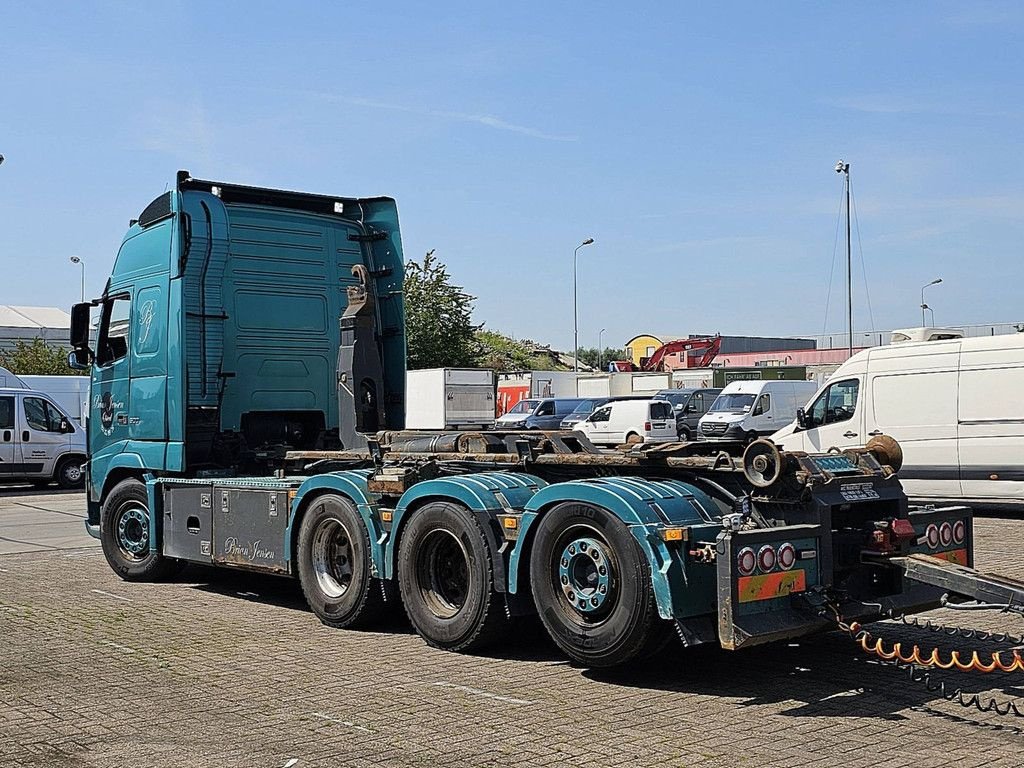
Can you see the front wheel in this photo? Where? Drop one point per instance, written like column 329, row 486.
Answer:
column 69, row 474
column 684, row 435
column 446, row 577
column 335, row 566
column 125, row 535
column 592, row 586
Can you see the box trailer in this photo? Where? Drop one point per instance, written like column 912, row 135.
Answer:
column 520, row 385
column 449, row 398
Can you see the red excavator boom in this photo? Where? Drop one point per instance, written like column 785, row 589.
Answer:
column 709, row 344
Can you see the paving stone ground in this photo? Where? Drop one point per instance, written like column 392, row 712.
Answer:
column 221, row 669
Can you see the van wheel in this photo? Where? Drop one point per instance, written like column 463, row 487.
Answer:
column 69, row 474
column 334, row 565
column 124, row 534
column 592, row 585
column 684, row 434
column 446, row 576
column 633, row 439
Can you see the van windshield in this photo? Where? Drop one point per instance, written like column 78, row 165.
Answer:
column 524, row 406
column 736, row 402
column 587, row 406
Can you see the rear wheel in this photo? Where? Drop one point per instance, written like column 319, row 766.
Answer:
column 335, row 566
column 125, row 535
column 592, row 586
column 633, row 439
column 446, row 577
column 69, row 473
column 684, row 434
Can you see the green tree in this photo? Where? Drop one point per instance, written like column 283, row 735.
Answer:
column 591, row 356
column 37, row 358
column 503, row 353
column 438, row 317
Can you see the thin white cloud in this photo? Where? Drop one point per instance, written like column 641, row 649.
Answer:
column 464, row 117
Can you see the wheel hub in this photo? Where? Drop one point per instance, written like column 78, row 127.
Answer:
column 133, row 530
column 332, row 558
column 585, row 574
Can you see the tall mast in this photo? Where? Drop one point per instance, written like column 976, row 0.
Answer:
column 843, row 167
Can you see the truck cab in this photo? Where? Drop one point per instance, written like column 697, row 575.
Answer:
column 39, row 442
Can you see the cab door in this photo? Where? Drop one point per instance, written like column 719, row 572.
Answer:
column 836, row 417
column 43, row 439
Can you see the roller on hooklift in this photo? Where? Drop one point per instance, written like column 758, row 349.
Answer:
column 248, row 386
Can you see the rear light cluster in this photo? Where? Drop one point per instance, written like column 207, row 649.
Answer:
column 765, row 559
column 945, row 534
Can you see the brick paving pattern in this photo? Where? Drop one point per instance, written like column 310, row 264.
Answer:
column 220, row 669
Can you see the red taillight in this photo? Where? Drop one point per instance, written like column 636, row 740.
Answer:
column 787, row 556
column 946, row 534
column 959, row 531
column 931, row 535
column 766, row 558
column 745, row 561
column 647, row 426
column 903, row 529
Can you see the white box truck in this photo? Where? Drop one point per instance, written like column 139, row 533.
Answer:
column 449, row 398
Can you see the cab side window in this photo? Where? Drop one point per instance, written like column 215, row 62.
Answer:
column 114, row 327
column 41, row 416
column 601, row 414
column 835, row 404
column 546, row 409
column 764, row 404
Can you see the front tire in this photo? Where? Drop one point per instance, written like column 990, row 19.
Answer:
column 592, row 585
column 446, row 577
column 69, row 474
column 334, row 565
column 684, row 435
column 125, row 536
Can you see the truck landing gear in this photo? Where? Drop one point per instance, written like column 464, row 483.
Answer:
column 124, row 535
column 593, row 586
column 447, row 579
column 334, row 566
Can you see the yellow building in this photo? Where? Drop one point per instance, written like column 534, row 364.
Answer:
column 641, row 346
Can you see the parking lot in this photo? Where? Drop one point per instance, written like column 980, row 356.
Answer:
column 228, row 670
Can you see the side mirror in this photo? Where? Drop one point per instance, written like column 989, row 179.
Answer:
column 801, row 418
column 80, row 325
column 78, row 359
column 65, row 427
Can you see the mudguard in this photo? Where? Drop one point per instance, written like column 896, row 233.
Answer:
column 645, row 506
column 484, row 493
column 352, row 485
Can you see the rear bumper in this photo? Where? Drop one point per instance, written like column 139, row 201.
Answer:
column 92, row 529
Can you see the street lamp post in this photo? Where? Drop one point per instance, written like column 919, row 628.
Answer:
column 924, row 306
column 600, row 350
column 81, row 263
column 575, row 313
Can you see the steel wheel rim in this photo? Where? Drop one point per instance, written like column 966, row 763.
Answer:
column 131, row 530
column 585, row 595
column 73, row 473
column 332, row 557
column 442, row 573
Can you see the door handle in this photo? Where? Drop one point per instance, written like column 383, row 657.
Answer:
column 24, row 436
column 875, row 433
column 848, row 433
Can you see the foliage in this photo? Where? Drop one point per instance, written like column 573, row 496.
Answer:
column 37, row 358
column 592, row 357
column 438, row 317
column 502, row 353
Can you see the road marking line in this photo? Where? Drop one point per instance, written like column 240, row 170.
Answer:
column 485, row 694
column 109, row 594
column 119, row 647
column 4, row 570
column 290, row 763
column 322, row 716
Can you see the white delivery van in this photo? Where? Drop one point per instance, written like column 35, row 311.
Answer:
column 38, row 441
column 954, row 406
column 749, row 409
column 630, row 421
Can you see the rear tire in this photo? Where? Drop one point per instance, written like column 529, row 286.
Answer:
column 124, row 535
column 334, row 566
column 633, row 439
column 592, row 586
column 684, row 434
column 446, row 577
column 69, row 473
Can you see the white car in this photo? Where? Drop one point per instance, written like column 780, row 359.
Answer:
column 630, row 421
column 39, row 441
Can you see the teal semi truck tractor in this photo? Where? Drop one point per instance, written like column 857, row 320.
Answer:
column 247, row 412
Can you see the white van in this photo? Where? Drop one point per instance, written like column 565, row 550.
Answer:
column 39, row 441
column 630, row 421
column 749, row 409
column 954, row 406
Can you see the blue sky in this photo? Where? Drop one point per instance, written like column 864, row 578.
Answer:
column 695, row 144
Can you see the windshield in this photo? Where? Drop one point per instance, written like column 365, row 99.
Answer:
column 524, row 406
column 587, row 406
column 676, row 398
column 732, row 402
